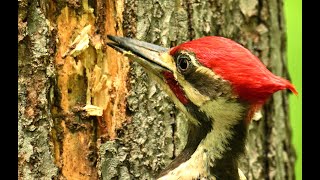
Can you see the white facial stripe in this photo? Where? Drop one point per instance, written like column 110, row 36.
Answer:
column 209, row 72
column 201, row 68
column 193, row 94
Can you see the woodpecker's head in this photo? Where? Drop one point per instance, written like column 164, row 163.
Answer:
column 219, row 85
column 208, row 69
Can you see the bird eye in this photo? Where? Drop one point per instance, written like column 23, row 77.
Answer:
column 183, row 62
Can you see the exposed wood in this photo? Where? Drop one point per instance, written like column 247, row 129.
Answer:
column 84, row 74
column 88, row 74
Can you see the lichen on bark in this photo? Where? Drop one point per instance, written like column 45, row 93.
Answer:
column 36, row 74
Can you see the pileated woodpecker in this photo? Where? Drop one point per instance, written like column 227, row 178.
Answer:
column 219, row 85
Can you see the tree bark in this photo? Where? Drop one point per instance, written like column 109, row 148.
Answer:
column 86, row 112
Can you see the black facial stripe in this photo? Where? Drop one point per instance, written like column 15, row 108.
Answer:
column 199, row 115
column 209, row 86
column 205, row 84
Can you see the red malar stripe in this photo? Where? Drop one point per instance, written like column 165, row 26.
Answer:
column 175, row 87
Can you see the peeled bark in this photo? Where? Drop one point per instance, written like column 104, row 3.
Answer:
column 87, row 112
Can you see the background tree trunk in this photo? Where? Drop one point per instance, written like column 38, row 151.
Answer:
column 86, row 112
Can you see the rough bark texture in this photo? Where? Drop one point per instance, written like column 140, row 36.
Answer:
column 35, row 82
column 83, row 114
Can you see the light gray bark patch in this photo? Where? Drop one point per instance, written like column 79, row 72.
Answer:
column 208, row 18
column 181, row 133
column 249, row 7
column 35, row 159
column 151, row 126
column 113, row 158
column 130, row 18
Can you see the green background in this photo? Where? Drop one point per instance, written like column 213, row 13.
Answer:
column 293, row 15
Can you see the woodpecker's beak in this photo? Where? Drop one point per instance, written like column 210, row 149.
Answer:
column 155, row 59
column 152, row 57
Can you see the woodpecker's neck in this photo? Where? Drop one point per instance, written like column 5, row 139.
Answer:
column 218, row 152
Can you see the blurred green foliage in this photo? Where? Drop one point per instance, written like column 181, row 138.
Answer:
column 293, row 15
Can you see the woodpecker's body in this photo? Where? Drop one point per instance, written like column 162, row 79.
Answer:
column 219, row 85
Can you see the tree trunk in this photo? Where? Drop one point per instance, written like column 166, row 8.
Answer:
column 86, row 112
